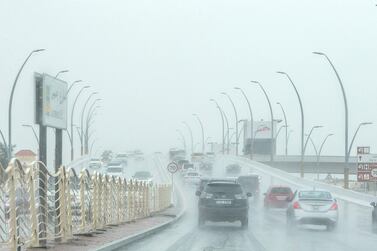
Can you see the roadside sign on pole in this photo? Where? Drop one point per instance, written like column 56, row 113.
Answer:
column 366, row 165
column 172, row 167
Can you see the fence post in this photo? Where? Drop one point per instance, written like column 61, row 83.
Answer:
column 33, row 210
column 82, row 201
column 11, row 185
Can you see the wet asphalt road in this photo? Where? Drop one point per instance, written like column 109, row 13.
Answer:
column 267, row 228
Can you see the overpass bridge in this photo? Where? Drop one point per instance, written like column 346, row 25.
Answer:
column 326, row 164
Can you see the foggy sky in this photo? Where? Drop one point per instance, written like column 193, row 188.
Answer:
column 157, row 62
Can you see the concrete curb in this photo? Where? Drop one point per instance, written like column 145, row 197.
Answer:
column 139, row 236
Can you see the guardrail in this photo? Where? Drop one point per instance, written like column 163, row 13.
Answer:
column 39, row 208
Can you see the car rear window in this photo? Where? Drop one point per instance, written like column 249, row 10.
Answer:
column 114, row 170
column 227, row 188
column 314, row 195
column 281, row 190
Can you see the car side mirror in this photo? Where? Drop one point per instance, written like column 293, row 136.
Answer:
column 198, row 193
column 264, row 194
column 249, row 194
column 373, row 204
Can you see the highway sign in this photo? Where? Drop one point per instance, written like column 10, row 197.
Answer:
column 366, row 165
column 172, row 167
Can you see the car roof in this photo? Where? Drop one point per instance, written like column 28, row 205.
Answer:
column 223, row 180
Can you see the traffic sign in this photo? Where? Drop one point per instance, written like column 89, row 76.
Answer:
column 366, row 165
column 172, row 167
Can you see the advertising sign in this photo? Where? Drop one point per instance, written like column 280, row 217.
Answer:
column 52, row 102
column 366, row 165
column 262, row 129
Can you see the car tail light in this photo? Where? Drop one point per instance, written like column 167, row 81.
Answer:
column 296, row 205
column 334, row 206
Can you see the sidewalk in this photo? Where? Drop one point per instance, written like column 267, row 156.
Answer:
column 83, row 243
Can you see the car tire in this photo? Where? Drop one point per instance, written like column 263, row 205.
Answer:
column 245, row 222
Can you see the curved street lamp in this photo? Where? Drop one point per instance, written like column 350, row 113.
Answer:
column 272, row 118
column 183, row 139
column 355, row 134
column 72, row 112
column 34, row 132
column 346, row 155
column 11, row 100
column 201, row 125
column 310, row 133
column 60, row 72
column 222, row 123
column 286, row 128
column 192, row 138
column 82, row 121
column 302, row 122
column 251, row 121
column 236, row 115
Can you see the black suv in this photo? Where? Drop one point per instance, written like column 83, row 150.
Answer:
column 223, row 200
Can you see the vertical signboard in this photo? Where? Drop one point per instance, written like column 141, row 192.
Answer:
column 366, row 165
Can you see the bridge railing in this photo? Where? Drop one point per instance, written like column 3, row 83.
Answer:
column 39, row 208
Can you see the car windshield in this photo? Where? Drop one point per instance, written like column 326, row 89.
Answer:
column 228, row 188
column 192, row 174
column 280, row 190
column 314, row 195
column 142, row 175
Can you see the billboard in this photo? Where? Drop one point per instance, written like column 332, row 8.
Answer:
column 261, row 137
column 261, row 129
column 51, row 101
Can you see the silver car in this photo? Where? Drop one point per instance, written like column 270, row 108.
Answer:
column 315, row 207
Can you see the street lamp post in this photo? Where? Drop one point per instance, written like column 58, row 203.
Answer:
column 251, row 121
column 310, row 133
column 228, row 132
column 320, row 151
column 183, row 139
column 82, row 121
column 346, row 156
column 236, row 115
column 272, row 118
column 281, row 127
column 355, row 134
column 286, row 128
column 192, row 138
column 72, row 112
column 302, row 122
column 201, row 125
column 88, row 124
column 11, row 101
column 222, row 123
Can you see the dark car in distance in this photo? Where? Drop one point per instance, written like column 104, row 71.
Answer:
column 223, row 201
column 250, row 183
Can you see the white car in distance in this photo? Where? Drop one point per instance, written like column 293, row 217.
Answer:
column 192, row 177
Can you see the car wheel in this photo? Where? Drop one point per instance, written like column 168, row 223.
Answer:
column 245, row 222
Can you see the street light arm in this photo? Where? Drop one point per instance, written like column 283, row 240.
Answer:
column 315, row 148
column 323, row 143
column 353, row 139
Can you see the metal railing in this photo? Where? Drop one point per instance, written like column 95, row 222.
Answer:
column 39, row 208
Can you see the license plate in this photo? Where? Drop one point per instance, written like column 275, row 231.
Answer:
column 315, row 208
column 281, row 197
column 223, row 202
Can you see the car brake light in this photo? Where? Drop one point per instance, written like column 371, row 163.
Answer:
column 334, row 206
column 296, row 205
